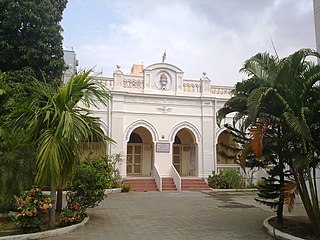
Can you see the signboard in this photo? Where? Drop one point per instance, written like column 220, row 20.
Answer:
column 163, row 147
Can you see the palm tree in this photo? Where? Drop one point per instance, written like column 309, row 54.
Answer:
column 288, row 99
column 261, row 70
column 292, row 102
column 57, row 122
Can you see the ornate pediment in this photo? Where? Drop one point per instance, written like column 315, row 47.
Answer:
column 163, row 76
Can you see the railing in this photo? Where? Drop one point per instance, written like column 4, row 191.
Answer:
column 108, row 82
column 157, row 177
column 176, row 178
column 220, row 90
column 191, row 86
column 133, row 82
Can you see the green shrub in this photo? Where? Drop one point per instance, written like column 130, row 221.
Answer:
column 214, row 180
column 226, row 179
column 33, row 207
column 125, row 187
column 93, row 176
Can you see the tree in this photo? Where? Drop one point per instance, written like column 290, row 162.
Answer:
column 297, row 95
column 288, row 99
column 30, row 39
column 57, row 122
column 16, row 157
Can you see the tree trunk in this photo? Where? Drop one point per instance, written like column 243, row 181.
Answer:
column 306, row 199
column 59, row 200
column 52, row 211
column 280, row 204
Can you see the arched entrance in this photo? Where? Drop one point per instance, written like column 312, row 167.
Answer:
column 226, row 151
column 93, row 148
column 184, row 157
column 139, row 153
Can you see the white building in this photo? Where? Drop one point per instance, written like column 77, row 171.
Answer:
column 163, row 124
column 316, row 8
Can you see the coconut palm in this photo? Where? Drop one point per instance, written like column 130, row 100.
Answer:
column 57, row 122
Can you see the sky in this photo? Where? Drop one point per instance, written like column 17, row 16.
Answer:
column 212, row 36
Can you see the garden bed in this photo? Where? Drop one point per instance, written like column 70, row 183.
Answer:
column 297, row 226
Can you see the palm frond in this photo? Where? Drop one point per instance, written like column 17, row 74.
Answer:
column 288, row 194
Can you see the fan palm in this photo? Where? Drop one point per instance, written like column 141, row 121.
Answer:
column 57, row 122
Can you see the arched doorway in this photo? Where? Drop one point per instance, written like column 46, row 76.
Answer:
column 93, row 149
column 184, row 153
column 226, row 151
column 139, row 153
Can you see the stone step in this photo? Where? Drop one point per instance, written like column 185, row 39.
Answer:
column 141, row 185
column 193, row 184
column 168, row 184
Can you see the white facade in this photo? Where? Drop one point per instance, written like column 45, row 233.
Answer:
column 316, row 7
column 163, row 124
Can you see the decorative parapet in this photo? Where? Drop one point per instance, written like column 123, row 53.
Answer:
column 108, row 82
column 221, row 90
column 133, row 82
column 192, row 86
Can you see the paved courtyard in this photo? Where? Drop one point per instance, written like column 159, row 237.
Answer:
column 173, row 215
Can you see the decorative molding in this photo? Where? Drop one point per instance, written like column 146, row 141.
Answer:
column 164, row 109
column 162, row 100
column 221, row 90
column 141, row 123
column 192, row 87
column 133, row 83
column 187, row 125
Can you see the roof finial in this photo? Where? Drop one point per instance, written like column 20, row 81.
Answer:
column 164, row 56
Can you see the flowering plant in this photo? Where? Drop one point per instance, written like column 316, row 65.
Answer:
column 73, row 213
column 33, row 207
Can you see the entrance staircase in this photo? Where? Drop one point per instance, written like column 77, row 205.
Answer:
column 149, row 184
column 193, row 184
column 168, row 184
column 141, row 184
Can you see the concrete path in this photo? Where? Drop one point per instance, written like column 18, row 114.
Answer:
column 173, row 215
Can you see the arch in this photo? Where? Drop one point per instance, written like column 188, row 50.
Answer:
column 220, row 130
column 104, row 127
column 188, row 126
column 225, row 155
column 141, row 123
column 163, row 66
column 135, row 138
column 177, row 140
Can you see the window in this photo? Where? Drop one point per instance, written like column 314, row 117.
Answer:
column 135, row 138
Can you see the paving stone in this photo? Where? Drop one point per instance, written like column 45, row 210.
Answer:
column 173, row 215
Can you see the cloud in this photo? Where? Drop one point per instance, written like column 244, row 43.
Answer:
column 198, row 35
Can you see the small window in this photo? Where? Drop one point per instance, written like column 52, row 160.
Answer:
column 135, row 138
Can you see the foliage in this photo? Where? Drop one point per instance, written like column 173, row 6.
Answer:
column 286, row 99
column 17, row 168
column 93, row 176
column 125, row 187
column 57, row 122
column 214, row 180
column 31, row 40
column 228, row 178
column 73, row 213
column 33, row 207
